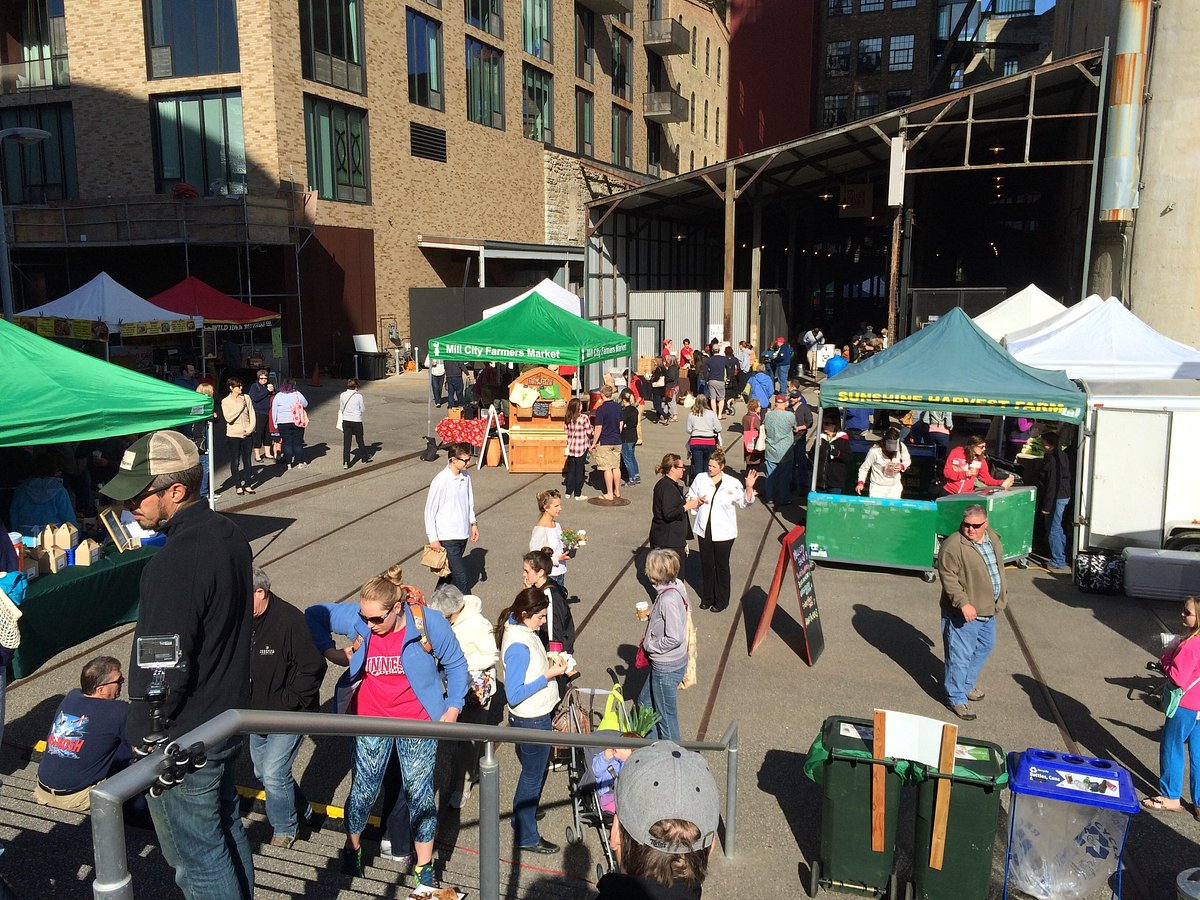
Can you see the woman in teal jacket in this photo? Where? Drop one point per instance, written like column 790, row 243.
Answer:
column 393, row 671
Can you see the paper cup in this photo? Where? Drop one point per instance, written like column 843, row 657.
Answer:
column 642, row 609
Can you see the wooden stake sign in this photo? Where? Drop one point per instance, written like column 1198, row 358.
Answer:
column 941, row 804
column 879, row 782
column 794, row 554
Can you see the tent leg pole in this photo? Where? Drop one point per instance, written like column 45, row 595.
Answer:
column 212, row 476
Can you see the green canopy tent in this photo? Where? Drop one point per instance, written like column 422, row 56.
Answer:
column 54, row 394
column 954, row 366
column 534, row 331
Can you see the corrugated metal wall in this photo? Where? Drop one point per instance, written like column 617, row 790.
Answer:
column 696, row 315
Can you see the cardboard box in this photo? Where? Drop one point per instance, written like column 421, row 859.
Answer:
column 46, row 537
column 66, row 537
column 52, row 561
column 29, row 564
column 646, row 364
column 87, row 553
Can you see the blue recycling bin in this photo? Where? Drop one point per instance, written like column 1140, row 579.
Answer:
column 1068, row 824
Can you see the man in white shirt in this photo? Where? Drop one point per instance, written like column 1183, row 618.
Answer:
column 813, row 338
column 450, row 514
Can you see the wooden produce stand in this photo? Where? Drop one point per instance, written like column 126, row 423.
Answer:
column 537, row 439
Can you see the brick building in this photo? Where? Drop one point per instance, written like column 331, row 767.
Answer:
column 343, row 151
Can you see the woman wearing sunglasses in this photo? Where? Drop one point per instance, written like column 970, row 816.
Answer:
column 398, row 646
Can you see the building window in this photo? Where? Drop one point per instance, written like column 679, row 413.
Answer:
column 331, row 43
column 1012, row 66
column 485, row 84
column 837, row 59
column 841, row 7
column 896, row 99
column 584, row 145
column 718, row 65
column 900, row 52
column 717, row 130
column 338, row 161
column 870, row 5
column 692, row 112
column 33, row 52
column 869, row 51
column 693, row 45
column 198, row 139
column 486, row 15
column 535, row 29
column 866, row 103
column 537, row 104
column 622, row 70
column 707, row 49
column 653, row 149
column 585, row 45
column 903, row 4
column 622, row 137
column 691, row 160
column 192, row 37
column 45, row 171
column 835, row 110
column 706, row 120
column 1013, row 8
column 425, row 61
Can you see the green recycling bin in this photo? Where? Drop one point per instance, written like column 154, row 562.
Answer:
column 980, row 776
column 1010, row 513
column 840, row 761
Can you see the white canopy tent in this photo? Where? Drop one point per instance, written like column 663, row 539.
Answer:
column 557, row 295
column 106, row 300
column 1110, row 343
column 1022, row 337
column 1027, row 308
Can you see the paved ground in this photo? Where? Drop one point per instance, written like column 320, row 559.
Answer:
column 320, row 532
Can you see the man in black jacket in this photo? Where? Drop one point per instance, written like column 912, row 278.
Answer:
column 197, row 588
column 1054, row 493
column 286, row 670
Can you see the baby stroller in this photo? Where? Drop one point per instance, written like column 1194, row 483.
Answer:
column 603, row 713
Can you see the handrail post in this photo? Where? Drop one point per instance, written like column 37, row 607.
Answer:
column 489, row 824
column 731, row 784
column 113, row 881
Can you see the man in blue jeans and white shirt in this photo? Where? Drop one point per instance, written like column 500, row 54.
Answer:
column 450, row 514
column 286, row 670
column 971, row 567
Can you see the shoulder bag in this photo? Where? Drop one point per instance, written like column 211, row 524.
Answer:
column 1172, row 694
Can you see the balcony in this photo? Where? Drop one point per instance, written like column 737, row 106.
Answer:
column 666, row 37
column 665, row 107
column 35, row 75
column 609, row 7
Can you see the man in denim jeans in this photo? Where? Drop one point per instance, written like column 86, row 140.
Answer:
column 285, row 674
column 196, row 588
column 971, row 566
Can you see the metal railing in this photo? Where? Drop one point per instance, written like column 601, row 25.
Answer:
column 108, row 822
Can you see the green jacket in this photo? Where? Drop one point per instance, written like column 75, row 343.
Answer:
column 965, row 577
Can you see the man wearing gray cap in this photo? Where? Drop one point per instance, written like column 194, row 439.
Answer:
column 665, row 827
column 198, row 587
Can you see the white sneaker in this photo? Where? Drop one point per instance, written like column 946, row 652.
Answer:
column 385, row 852
column 461, row 796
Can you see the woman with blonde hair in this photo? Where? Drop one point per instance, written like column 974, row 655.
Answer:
column 548, row 533
column 399, row 646
column 702, row 428
column 665, row 642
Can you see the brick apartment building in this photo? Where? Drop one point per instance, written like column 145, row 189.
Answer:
column 343, row 151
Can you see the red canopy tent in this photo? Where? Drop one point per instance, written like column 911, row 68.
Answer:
column 193, row 297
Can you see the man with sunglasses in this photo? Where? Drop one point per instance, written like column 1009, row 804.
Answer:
column 450, row 514
column 971, row 567
column 198, row 586
column 87, row 742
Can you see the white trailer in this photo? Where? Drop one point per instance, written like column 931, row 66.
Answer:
column 1137, row 481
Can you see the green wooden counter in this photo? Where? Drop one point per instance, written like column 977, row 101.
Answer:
column 64, row 610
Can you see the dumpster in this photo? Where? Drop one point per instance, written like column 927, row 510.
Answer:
column 1068, row 824
column 979, row 777
column 840, row 761
column 1010, row 514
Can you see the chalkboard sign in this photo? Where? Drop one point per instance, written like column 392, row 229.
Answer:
column 793, row 554
column 810, row 614
column 541, row 409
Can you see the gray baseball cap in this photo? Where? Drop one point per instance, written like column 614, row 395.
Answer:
column 664, row 781
column 154, row 454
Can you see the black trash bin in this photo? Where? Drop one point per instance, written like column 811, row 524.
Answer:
column 372, row 366
column 840, row 761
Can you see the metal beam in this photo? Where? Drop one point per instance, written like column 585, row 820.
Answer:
column 608, row 211
column 985, row 166
column 730, row 237
column 766, row 162
column 712, row 184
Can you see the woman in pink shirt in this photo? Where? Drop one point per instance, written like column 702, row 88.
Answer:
column 1181, row 661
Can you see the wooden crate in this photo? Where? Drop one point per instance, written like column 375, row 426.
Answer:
column 537, row 452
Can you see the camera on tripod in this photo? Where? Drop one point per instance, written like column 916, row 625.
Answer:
column 160, row 654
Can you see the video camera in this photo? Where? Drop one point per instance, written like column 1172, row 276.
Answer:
column 159, row 654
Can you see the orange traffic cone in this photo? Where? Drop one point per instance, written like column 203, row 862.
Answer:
column 315, row 381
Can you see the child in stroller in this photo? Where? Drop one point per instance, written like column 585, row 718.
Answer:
column 606, row 765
